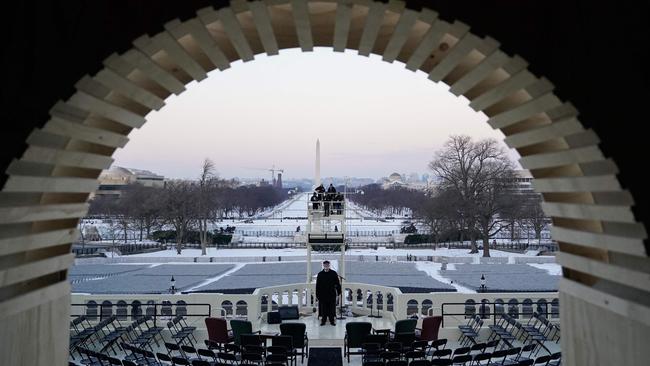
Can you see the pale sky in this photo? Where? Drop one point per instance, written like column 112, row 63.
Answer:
column 373, row 118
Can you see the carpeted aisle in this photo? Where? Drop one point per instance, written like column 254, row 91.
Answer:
column 330, row 356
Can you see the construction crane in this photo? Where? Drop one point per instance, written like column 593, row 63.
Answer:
column 273, row 169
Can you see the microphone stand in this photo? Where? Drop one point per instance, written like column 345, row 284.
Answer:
column 374, row 302
column 341, row 317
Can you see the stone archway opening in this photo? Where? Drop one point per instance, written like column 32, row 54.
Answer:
column 601, row 243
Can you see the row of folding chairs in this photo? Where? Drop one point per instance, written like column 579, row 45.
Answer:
column 276, row 355
column 181, row 332
column 140, row 332
column 94, row 358
column 136, row 357
column 253, row 350
column 538, row 329
column 107, row 334
column 470, row 331
column 84, row 334
column 81, row 332
column 540, row 324
column 376, row 347
column 482, row 359
column 504, row 357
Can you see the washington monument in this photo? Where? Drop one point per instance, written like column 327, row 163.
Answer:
column 317, row 172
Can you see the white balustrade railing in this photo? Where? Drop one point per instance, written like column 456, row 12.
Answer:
column 360, row 298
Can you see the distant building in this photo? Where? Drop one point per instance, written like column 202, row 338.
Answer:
column 278, row 182
column 113, row 181
column 397, row 180
column 393, row 180
column 414, row 178
column 523, row 182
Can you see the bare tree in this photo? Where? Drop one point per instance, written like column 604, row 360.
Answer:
column 494, row 206
column 179, row 208
column 205, row 201
column 81, row 226
column 436, row 211
column 533, row 215
column 143, row 207
column 478, row 173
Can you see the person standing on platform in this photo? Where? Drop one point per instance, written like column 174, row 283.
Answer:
column 328, row 287
column 314, row 200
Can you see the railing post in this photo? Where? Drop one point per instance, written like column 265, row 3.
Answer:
column 442, row 313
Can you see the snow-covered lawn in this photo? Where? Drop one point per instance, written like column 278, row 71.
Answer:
column 433, row 270
column 553, row 269
column 382, row 251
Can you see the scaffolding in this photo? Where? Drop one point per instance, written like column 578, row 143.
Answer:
column 326, row 227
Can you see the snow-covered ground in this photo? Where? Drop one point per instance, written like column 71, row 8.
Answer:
column 553, row 269
column 433, row 270
column 382, row 251
column 237, row 267
column 241, row 257
column 271, row 222
column 272, row 226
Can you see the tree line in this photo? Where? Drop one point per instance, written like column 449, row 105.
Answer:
column 475, row 195
column 185, row 205
column 388, row 202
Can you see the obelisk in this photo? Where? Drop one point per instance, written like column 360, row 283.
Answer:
column 317, row 173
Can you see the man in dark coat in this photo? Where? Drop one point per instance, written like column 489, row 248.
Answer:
column 328, row 287
column 314, row 200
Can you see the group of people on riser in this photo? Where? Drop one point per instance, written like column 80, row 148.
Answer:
column 327, row 196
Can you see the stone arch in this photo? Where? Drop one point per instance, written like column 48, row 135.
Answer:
column 181, row 308
column 527, row 308
column 513, row 308
column 426, row 305
column 227, row 306
column 379, row 299
column 555, row 308
column 348, row 296
column 106, row 309
column 275, row 300
column 166, row 308
column 264, row 300
column 542, row 308
column 136, row 309
column 241, row 308
column 390, row 306
column 91, row 310
column 151, row 308
column 498, row 307
column 48, row 184
column 122, row 311
column 369, row 299
column 470, row 308
column 411, row 307
column 484, row 309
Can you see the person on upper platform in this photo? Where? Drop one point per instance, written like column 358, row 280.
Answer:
column 338, row 200
column 320, row 190
column 331, row 192
column 314, row 200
